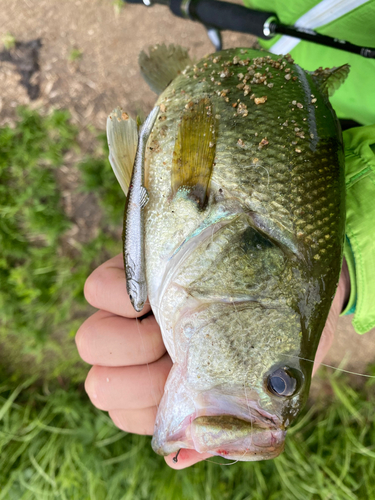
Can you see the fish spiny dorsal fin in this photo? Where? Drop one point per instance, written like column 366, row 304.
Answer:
column 122, row 136
column 194, row 151
column 162, row 65
column 329, row 80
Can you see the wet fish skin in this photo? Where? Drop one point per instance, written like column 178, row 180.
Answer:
column 242, row 287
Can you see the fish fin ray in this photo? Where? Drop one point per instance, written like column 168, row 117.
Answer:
column 329, row 80
column 194, row 151
column 122, row 136
column 144, row 197
column 162, row 65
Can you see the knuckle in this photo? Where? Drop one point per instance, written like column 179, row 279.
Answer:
column 82, row 342
column 92, row 388
column 134, row 424
column 91, row 288
column 120, row 421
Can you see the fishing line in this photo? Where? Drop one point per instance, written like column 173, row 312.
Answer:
column 244, row 385
column 331, row 366
column 264, row 168
column 231, row 301
column 147, row 363
column 239, row 322
column 248, row 407
column 231, row 463
column 345, row 371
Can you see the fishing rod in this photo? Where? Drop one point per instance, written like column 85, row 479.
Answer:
column 216, row 16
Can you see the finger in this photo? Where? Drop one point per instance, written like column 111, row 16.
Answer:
column 135, row 421
column 128, row 388
column 109, row 340
column 325, row 343
column 143, row 422
column 186, row 458
column 105, row 288
column 330, row 327
column 328, row 334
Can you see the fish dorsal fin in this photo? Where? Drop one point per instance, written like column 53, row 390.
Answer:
column 194, row 151
column 162, row 65
column 122, row 136
column 329, row 80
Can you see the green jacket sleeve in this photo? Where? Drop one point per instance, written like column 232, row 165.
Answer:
column 359, row 249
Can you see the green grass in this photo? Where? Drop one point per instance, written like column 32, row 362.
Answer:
column 98, row 178
column 53, row 443
column 75, row 55
column 8, row 41
column 41, row 295
column 57, row 445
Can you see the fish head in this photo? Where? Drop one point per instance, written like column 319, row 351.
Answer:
column 137, row 291
column 244, row 311
column 237, row 393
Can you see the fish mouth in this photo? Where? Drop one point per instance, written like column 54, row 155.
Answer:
column 236, row 439
column 233, row 438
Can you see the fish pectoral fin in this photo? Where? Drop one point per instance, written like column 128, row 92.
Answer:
column 162, row 65
column 329, row 80
column 194, row 151
column 122, row 136
column 144, row 197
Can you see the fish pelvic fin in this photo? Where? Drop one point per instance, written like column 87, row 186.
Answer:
column 329, row 80
column 122, row 136
column 194, row 151
column 162, row 65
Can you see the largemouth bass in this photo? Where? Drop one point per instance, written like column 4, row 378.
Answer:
column 244, row 231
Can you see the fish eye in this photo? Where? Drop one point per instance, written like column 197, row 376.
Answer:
column 284, row 381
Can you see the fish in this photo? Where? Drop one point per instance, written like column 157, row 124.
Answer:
column 243, row 239
column 134, row 259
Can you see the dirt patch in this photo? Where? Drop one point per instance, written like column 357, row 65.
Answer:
column 88, row 59
column 87, row 63
column 25, row 57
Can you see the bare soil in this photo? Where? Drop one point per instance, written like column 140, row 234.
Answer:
column 87, row 63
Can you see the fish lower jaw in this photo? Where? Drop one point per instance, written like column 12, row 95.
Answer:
column 225, row 436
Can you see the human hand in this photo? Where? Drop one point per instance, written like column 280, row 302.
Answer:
column 131, row 364
column 339, row 302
